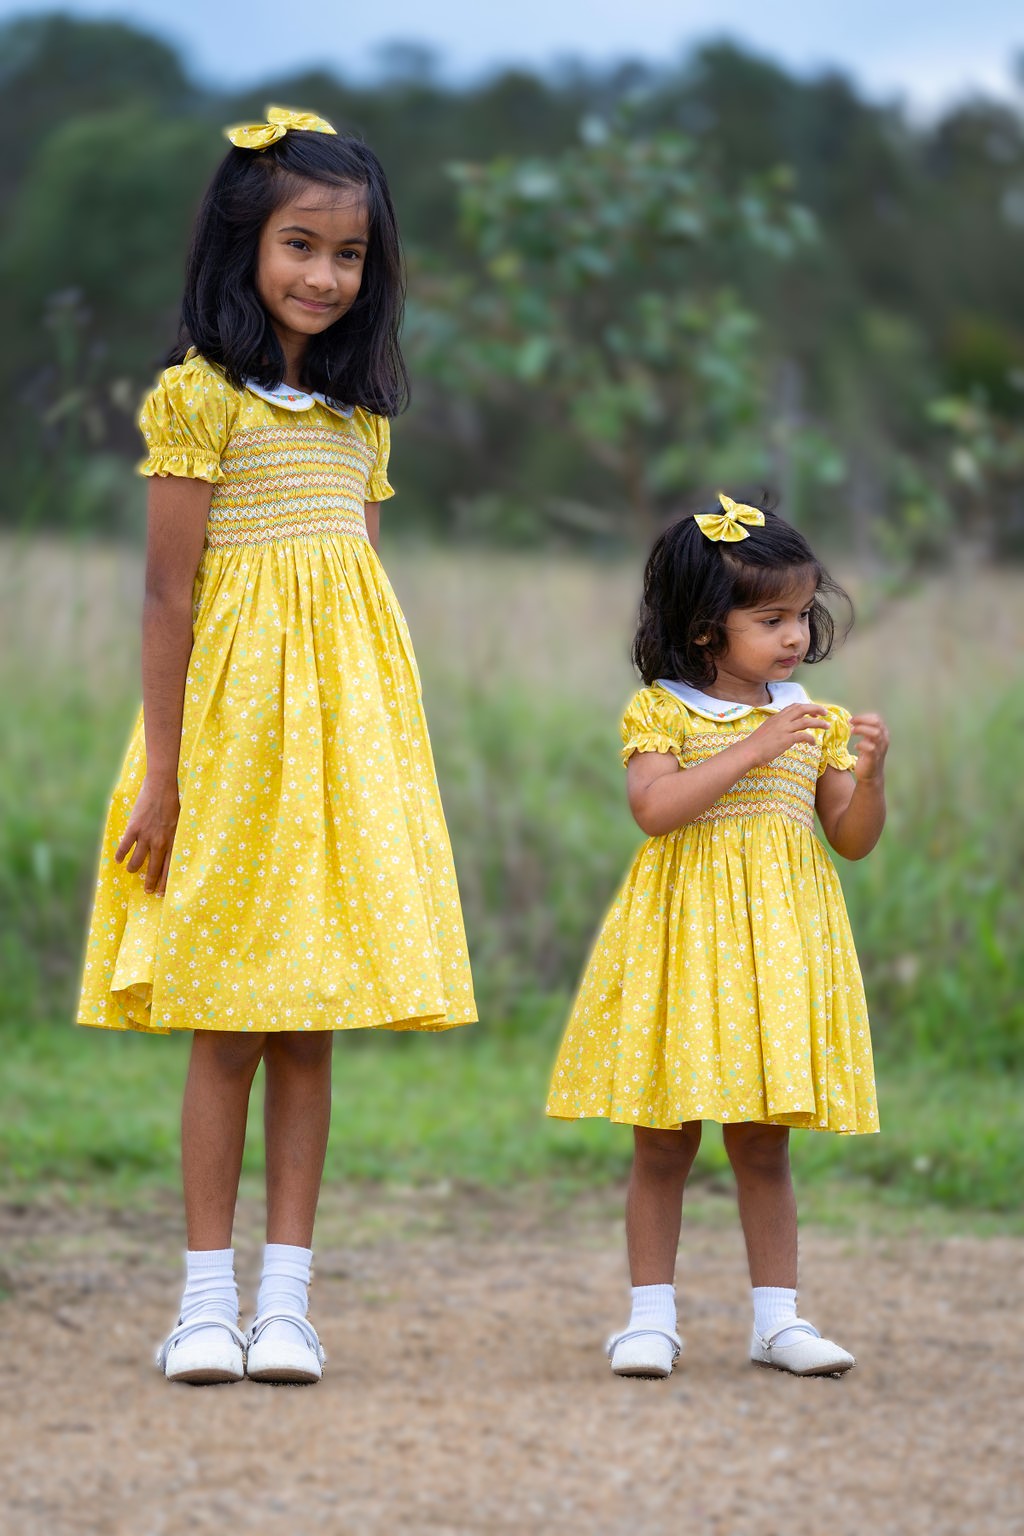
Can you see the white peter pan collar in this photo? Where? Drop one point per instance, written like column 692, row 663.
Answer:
column 296, row 399
column 721, row 709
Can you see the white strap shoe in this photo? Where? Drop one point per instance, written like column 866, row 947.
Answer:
column 645, row 1352
column 297, row 1359
column 810, row 1355
column 202, row 1352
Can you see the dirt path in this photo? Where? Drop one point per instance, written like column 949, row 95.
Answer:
column 466, row 1391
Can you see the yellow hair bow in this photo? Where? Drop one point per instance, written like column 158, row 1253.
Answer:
column 279, row 120
column 725, row 526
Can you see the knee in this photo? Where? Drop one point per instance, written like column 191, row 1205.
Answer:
column 758, row 1149
column 229, row 1055
column 666, row 1154
column 301, row 1052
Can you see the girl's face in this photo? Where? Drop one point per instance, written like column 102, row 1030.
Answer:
column 765, row 644
column 310, row 263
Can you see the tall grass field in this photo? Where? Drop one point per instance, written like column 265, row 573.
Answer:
column 525, row 669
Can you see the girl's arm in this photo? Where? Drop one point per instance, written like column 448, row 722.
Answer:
column 851, row 807
column 372, row 511
column 663, row 796
column 178, row 509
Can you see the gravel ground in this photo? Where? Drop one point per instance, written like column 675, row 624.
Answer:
column 466, row 1390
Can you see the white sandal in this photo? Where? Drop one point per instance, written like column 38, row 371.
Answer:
column 648, row 1353
column 203, row 1362
column 281, row 1359
column 809, row 1356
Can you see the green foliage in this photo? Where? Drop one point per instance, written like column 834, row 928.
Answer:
column 105, row 196
column 986, row 468
column 727, row 348
column 593, row 294
column 91, row 1114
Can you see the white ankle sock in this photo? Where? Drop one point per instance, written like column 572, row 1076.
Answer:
column 210, row 1289
column 654, row 1307
column 284, row 1287
column 774, row 1307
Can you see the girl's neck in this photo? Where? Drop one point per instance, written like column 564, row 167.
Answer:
column 737, row 690
column 294, row 350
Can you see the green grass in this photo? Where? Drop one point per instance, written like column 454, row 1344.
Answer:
column 525, row 674
column 83, row 1110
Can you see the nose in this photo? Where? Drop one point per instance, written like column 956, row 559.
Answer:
column 319, row 275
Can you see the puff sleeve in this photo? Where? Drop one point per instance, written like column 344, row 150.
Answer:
column 654, row 722
column 835, row 745
column 378, row 487
column 186, row 422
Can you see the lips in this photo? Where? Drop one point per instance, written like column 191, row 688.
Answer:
column 314, row 305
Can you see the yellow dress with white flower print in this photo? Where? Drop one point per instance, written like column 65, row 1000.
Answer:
column 311, row 883
column 724, row 983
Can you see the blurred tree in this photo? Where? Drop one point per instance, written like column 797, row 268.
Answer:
column 53, row 68
column 985, row 466
column 97, row 237
column 590, row 311
column 826, row 360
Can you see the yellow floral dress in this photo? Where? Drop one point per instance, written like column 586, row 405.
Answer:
column 724, row 984
column 311, row 883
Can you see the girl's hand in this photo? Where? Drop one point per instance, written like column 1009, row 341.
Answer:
column 797, row 722
column 871, row 747
column 150, row 832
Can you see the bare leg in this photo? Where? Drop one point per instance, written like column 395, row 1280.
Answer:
column 654, row 1205
column 213, row 1117
column 764, row 1187
column 297, row 1119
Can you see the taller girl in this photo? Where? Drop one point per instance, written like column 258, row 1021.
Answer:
column 276, row 864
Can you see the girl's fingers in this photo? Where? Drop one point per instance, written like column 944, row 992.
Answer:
column 124, row 846
column 138, row 858
column 161, row 885
column 156, row 869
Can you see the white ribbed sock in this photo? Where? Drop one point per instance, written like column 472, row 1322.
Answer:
column 284, row 1287
column 210, row 1290
column 654, row 1306
column 774, row 1307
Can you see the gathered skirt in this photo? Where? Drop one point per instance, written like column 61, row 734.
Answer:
column 311, row 883
column 723, row 985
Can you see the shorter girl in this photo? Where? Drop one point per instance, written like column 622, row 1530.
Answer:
column 724, row 983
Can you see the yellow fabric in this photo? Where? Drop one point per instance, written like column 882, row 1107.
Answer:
column 726, row 525
column 724, row 982
column 279, row 121
column 311, row 884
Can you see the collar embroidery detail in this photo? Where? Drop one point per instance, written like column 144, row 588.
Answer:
column 297, row 399
column 722, row 709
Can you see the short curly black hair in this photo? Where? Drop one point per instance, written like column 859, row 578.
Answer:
column 692, row 584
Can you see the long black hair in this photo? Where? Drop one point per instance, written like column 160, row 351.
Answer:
column 357, row 360
column 691, row 584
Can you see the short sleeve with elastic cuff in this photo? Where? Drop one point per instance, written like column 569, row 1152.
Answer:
column 378, row 487
column 654, row 722
column 186, row 422
column 835, row 749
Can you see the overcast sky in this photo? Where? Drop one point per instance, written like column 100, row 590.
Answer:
column 927, row 51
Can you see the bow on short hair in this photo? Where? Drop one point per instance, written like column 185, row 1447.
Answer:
column 727, row 526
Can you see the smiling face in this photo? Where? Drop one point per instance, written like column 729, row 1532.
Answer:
column 765, row 643
column 310, row 263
